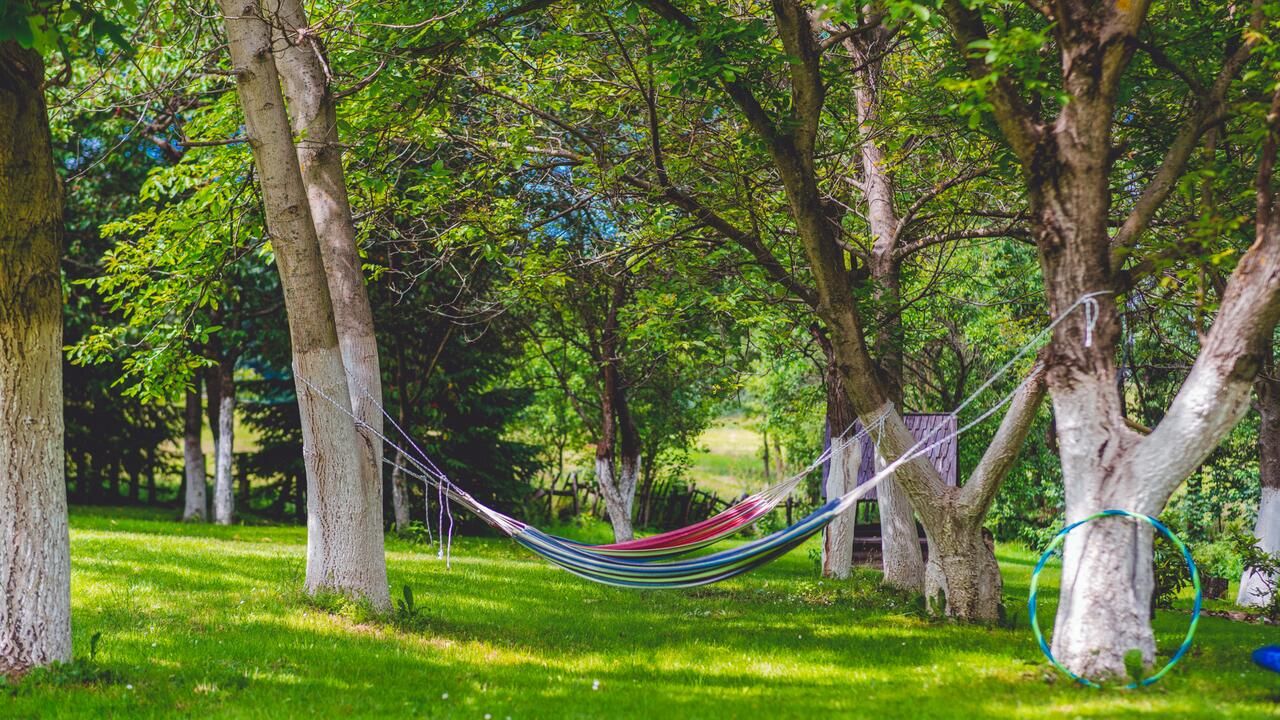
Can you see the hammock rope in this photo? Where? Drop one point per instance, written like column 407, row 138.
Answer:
column 610, row 564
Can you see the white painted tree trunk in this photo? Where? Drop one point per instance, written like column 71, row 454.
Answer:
column 344, row 522
column 344, row 511
column 35, row 562
column 1254, row 590
column 301, row 63
column 900, row 543
column 196, row 504
column 962, row 578
column 224, row 491
column 619, row 494
column 1104, row 606
column 837, row 538
column 400, row 493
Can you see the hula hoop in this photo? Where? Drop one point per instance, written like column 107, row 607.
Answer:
column 1048, row 553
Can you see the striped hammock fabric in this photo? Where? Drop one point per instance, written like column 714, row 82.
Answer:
column 586, row 562
column 699, row 535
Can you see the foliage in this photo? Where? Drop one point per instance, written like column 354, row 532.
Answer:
column 1265, row 567
column 1171, row 573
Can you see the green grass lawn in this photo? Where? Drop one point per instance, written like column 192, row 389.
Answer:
column 728, row 460
column 207, row 622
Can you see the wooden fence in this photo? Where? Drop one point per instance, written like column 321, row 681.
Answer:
column 663, row 505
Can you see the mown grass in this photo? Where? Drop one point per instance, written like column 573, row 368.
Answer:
column 207, row 622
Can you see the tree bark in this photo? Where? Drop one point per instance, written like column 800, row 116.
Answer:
column 35, row 563
column 399, row 488
column 224, row 496
column 196, row 504
column 618, row 452
column 903, row 562
column 344, row 512
column 837, row 538
column 617, row 462
column 842, row 473
column 400, row 493
column 1255, row 590
column 303, row 68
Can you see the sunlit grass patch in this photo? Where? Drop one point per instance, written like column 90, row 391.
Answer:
column 208, row 622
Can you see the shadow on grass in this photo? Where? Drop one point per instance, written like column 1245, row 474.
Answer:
column 202, row 625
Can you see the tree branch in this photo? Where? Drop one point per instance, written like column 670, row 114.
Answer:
column 984, row 481
column 1010, row 231
column 1208, row 106
column 1021, row 126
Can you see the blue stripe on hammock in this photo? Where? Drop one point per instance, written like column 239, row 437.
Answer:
column 681, row 573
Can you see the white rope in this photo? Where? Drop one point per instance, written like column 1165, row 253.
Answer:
column 920, row 448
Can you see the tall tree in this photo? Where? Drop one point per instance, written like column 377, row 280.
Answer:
column 304, row 68
column 962, row 567
column 344, row 518
column 1255, row 589
column 1066, row 162
column 195, row 504
column 35, row 559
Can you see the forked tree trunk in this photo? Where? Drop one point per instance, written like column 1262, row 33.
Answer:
column 301, row 63
column 618, row 489
column 224, row 495
column 962, row 577
column 1255, row 590
column 196, row 504
column 344, row 511
column 1104, row 608
column 790, row 141
column 35, row 563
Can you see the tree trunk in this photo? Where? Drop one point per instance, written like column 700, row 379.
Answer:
column 899, row 541
column 400, row 498
column 837, row 538
column 224, row 490
column 903, row 563
column 400, row 493
column 151, row 479
column 1254, row 589
column 344, row 512
column 301, row 62
column 196, row 505
column 618, row 452
column 616, row 500
column 962, row 578
column 35, row 562
column 841, row 473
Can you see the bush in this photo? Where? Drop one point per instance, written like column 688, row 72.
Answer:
column 1265, row 564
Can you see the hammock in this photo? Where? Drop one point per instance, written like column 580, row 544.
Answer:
column 593, row 563
column 728, row 522
column 611, row 564
column 570, row 553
